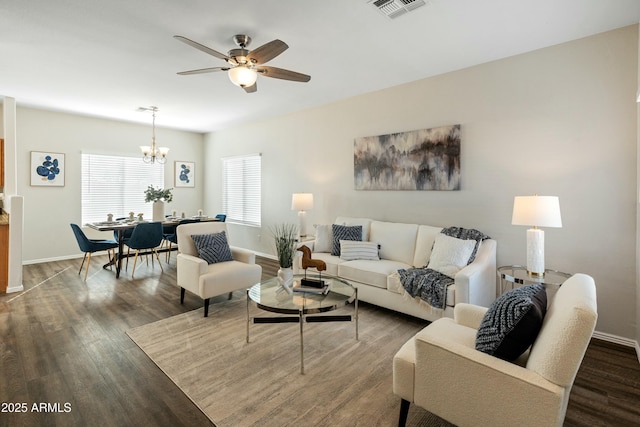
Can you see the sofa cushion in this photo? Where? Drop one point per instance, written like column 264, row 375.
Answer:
column 450, row 255
column 344, row 232
column 467, row 234
column 224, row 277
column 351, row 250
column 424, row 244
column 324, row 238
column 397, row 241
column 331, row 261
column 364, row 222
column 212, row 247
column 372, row 273
column 513, row 322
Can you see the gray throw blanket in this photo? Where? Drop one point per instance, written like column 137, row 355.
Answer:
column 430, row 285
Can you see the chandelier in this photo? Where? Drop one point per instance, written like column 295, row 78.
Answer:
column 153, row 153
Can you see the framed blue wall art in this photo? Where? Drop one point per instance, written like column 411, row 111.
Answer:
column 47, row 169
column 184, row 174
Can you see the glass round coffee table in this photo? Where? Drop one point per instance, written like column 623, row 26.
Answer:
column 268, row 295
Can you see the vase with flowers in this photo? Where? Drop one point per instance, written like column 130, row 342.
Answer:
column 158, row 196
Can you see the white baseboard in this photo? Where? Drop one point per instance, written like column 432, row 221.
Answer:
column 263, row 255
column 60, row 258
column 12, row 289
column 619, row 340
column 66, row 257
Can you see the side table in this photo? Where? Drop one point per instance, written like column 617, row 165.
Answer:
column 511, row 276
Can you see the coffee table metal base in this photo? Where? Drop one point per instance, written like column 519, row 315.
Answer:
column 301, row 318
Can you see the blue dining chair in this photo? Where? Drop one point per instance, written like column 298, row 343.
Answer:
column 172, row 238
column 126, row 233
column 221, row 217
column 146, row 235
column 89, row 246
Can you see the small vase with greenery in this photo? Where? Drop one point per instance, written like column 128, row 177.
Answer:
column 158, row 196
column 152, row 194
column 285, row 237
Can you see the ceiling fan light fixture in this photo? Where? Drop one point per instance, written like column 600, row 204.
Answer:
column 243, row 76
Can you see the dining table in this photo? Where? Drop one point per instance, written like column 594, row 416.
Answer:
column 121, row 226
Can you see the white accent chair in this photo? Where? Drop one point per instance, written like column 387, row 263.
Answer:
column 210, row 280
column 440, row 370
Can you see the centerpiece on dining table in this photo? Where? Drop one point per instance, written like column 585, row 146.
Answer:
column 158, row 196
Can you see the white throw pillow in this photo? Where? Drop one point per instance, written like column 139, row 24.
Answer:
column 450, row 255
column 352, row 249
column 324, row 238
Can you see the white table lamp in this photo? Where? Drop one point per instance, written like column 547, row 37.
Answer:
column 536, row 211
column 302, row 202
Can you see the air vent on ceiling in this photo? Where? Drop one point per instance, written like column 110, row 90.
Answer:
column 394, row 8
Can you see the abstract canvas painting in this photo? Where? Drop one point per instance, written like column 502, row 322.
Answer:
column 427, row 159
column 47, row 169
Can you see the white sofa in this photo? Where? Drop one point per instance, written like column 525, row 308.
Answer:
column 402, row 246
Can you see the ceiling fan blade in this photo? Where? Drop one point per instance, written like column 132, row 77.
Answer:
column 252, row 88
column 203, row 70
column 281, row 73
column 201, row 47
column 267, row 52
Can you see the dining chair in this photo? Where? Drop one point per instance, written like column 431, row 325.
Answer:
column 127, row 233
column 89, row 246
column 146, row 235
column 167, row 232
column 171, row 237
column 221, row 217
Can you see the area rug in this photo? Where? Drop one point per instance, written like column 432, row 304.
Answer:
column 235, row 383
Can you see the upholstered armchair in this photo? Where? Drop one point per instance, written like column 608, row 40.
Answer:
column 440, row 370
column 217, row 268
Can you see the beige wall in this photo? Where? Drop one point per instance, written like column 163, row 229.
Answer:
column 49, row 210
column 557, row 121
column 638, row 210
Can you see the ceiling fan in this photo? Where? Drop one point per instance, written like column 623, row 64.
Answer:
column 245, row 65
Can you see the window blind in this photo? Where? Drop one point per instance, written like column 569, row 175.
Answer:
column 115, row 185
column 241, row 189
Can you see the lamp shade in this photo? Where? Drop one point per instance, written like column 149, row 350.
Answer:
column 301, row 201
column 243, row 76
column 538, row 211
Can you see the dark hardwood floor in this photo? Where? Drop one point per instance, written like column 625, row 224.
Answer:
column 64, row 354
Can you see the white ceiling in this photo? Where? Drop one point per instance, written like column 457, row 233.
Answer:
column 107, row 58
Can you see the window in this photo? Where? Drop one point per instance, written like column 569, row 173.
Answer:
column 241, row 189
column 115, row 185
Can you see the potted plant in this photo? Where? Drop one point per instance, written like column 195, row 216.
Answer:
column 158, row 196
column 285, row 239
